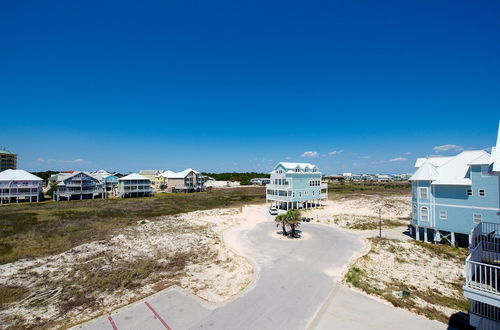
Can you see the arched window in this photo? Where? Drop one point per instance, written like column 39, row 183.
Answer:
column 424, row 213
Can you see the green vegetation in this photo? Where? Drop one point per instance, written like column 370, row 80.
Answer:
column 353, row 276
column 40, row 229
column 388, row 287
column 336, row 189
column 45, row 175
column 243, row 178
column 290, row 218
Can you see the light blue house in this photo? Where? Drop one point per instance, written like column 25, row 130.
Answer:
column 296, row 186
column 482, row 266
column 451, row 195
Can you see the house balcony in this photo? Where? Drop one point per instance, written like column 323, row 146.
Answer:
column 279, row 198
column 79, row 191
column 278, row 186
column 482, row 266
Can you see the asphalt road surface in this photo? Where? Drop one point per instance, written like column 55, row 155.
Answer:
column 293, row 289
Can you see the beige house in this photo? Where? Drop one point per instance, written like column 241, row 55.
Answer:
column 150, row 174
column 188, row 180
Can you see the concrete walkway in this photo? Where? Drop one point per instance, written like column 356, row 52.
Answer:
column 293, row 289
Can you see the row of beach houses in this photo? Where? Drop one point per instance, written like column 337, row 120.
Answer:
column 22, row 186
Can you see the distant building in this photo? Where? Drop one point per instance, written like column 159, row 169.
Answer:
column 151, row 174
column 222, row 184
column 188, row 180
column 451, row 195
column 134, row 185
column 78, row 185
column 8, row 160
column 109, row 181
column 260, row 181
column 482, row 266
column 296, row 186
column 19, row 186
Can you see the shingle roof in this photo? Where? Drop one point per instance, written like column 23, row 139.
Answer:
column 453, row 171
column 18, row 175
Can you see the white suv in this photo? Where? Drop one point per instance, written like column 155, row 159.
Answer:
column 273, row 211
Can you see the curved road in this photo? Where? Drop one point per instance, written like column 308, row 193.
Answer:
column 294, row 280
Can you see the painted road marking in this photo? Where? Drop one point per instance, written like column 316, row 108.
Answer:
column 112, row 323
column 158, row 316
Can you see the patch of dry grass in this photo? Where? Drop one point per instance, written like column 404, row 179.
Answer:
column 431, row 274
column 41, row 229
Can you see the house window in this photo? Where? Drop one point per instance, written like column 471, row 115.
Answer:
column 482, row 192
column 469, row 192
column 297, row 169
column 424, row 192
column 424, row 213
column 313, row 192
column 477, row 218
column 443, row 215
column 414, row 215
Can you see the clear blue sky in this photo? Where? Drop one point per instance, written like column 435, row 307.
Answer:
column 232, row 86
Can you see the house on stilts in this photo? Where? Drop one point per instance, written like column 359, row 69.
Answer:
column 482, row 266
column 296, row 186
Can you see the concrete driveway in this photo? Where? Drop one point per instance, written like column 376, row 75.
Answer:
column 294, row 283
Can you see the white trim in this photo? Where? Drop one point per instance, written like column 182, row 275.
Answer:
column 421, row 211
column 463, row 207
column 421, row 189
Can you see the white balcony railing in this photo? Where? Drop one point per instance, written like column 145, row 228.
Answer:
column 279, row 198
column 481, row 270
column 82, row 191
column 278, row 186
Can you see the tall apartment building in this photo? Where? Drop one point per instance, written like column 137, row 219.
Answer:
column 8, row 160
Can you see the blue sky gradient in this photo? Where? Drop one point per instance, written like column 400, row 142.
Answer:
column 363, row 86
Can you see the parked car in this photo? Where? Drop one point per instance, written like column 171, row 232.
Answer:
column 273, row 211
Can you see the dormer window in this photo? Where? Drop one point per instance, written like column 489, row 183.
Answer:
column 297, row 169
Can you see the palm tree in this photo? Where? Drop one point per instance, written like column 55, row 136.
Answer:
column 281, row 219
column 292, row 218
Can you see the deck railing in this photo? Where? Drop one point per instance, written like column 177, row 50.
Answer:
column 481, row 270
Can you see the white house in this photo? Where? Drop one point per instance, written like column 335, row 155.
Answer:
column 19, row 186
column 134, row 185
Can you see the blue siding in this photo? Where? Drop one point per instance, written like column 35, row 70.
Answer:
column 460, row 208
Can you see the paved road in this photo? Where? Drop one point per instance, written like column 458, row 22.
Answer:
column 293, row 284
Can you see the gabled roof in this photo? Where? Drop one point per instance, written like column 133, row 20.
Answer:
column 180, row 175
column 166, row 174
column 436, row 161
column 484, row 159
column 453, row 171
column 292, row 166
column 65, row 176
column 18, row 175
column 150, row 172
column 134, row 176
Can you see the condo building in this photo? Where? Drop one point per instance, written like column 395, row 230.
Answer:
column 8, row 160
